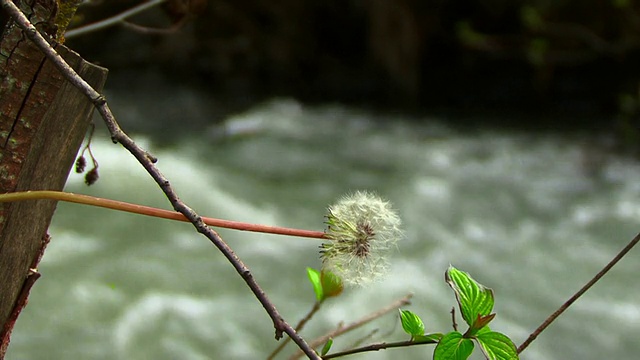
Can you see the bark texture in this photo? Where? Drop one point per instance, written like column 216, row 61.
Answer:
column 43, row 120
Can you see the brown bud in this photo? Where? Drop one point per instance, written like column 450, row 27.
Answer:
column 91, row 177
column 81, row 163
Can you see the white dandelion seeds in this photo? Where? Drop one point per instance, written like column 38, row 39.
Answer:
column 362, row 228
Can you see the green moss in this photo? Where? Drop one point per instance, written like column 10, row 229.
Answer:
column 66, row 11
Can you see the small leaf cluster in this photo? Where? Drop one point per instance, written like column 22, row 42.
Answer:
column 475, row 303
column 325, row 284
column 413, row 325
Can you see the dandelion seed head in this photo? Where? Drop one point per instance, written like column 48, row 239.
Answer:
column 362, row 228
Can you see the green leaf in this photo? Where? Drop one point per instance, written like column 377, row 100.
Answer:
column 326, row 347
column 469, row 36
column 621, row 4
column 411, row 323
column 431, row 338
column 475, row 300
column 483, row 329
column 537, row 51
column 453, row 346
column 497, row 346
column 314, row 277
column 331, row 284
column 531, row 18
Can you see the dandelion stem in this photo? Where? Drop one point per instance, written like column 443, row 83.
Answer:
column 155, row 212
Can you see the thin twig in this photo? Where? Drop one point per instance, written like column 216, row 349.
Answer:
column 118, row 136
column 155, row 31
column 155, row 212
column 356, row 344
column 114, row 20
column 356, row 324
column 578, row 294
column 299, row 327
column 379, row 346
column 453, row 319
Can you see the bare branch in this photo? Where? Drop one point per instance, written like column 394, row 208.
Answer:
column 578, row 294
column 147, row 161
column 453, row 319
column 155, row 31
column 377, row 347
column 354, row 325
column 112, row 21
column 299, row 327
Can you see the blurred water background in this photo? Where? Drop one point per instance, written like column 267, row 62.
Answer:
column 533, row 215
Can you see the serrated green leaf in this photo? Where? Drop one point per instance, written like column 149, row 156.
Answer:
column 314, row 277
column 326, row 347
column 453, row 346
column 473, row 298
column 411, row 323
column 497, row 346
column 331, row 284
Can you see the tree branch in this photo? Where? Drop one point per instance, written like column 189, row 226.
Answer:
column 578, row 294
column 377, row 347
column 112, row 21
column 147, row 161
column 356, row 324
column 299, row 327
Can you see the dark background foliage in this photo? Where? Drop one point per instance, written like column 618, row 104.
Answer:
column 569, row 63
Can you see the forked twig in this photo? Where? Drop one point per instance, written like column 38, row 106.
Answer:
column 299, row 327
column 356, row 324
column 112, row 21
column 578, row 294
column 147, row 161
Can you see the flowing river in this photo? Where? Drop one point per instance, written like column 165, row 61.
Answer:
column 532, row 215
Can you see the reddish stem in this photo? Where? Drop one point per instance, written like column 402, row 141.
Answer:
column 155, row 212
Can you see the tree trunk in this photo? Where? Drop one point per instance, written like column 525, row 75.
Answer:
column 43, row 120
